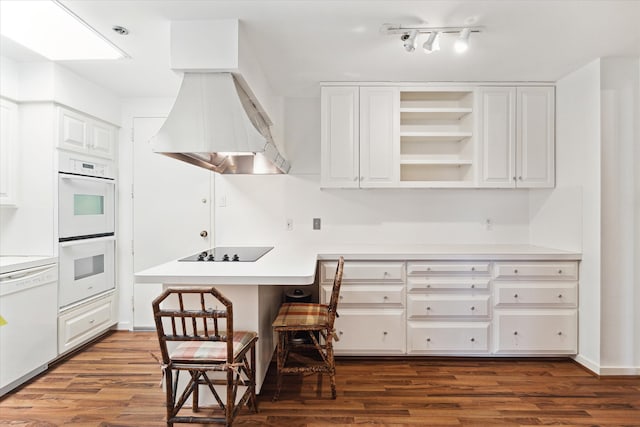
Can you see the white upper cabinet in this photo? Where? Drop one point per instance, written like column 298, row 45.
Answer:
column 81, row 133
column 516, row 129
column 535, row 141
column 339, row 136
column 8, row 152
column 379, row 148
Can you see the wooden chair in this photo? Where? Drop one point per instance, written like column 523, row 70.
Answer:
column 317, row 321
column 197, row 336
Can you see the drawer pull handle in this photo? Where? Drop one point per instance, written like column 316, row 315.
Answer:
column 473, row 340
column 515, row 333
column 515, row 295
column 560, row 296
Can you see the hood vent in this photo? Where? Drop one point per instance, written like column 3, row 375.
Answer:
column 214, row 124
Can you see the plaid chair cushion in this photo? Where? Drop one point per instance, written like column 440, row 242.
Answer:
column 302, row 314
column 208, row 350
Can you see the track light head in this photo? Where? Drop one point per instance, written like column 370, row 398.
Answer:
column 409, row 40
column 433, row 42
column 462, row 43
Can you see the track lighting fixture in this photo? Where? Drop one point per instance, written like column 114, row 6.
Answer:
column 433, row 43
column 409, row 35
column 462, row 44
column 409, row 40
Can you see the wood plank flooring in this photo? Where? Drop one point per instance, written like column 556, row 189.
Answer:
column 115, row 383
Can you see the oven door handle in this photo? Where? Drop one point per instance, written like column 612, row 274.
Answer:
column 86, row 178
column 84, row 241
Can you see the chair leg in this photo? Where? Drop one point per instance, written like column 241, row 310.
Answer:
column 332, row 368
column 280, row 364
column 252, row 380
column 169, row 395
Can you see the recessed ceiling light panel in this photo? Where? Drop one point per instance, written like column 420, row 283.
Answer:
column 53, row 31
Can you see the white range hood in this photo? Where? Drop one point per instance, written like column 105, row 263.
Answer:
column 217, row 122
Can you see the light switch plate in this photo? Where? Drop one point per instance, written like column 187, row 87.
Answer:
column 316, row 223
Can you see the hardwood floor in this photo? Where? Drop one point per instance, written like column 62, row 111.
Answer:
column 115, row 383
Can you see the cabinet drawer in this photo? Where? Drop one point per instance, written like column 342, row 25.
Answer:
column 420, row 306
column 439, row 284
column 536, row 331
column 370, row 332
column 423, row 268
column 355, row 271
column 537, row 270
column 558, row 294
column 80, row 324
column 366, row 294
column 435, row 337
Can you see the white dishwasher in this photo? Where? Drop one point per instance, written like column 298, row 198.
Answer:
column 28, row 318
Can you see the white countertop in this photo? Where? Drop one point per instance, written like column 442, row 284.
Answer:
column 296, row 265
column 9, row 264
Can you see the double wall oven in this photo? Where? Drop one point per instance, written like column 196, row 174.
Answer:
column 86, row 227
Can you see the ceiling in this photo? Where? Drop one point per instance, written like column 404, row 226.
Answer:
column 300, row 43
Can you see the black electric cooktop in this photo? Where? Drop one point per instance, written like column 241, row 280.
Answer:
column 230, row 254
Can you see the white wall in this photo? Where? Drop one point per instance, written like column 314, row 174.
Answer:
column 569, row 215
column 619, row 113
column 257, row 207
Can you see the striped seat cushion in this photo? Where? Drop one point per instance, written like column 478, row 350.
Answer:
column 302, row 314
column 211, row 350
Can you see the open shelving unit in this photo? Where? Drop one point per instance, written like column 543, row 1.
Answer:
column 436, row 137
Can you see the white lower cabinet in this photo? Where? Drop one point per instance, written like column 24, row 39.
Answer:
column 371, row 307
column 81, row 323
column 451, row 308
column 536, row 308
column 370, row 331
column 447, row 338
column 536, row 331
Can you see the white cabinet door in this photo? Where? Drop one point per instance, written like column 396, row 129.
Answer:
column 536, row 331
column 535, row 142
column 339, row 136
column 379, row 137
column 370, row 331
column 83, row 134
column 74, row 131
column 103, row 140
column 8, row 152
column 497, row 136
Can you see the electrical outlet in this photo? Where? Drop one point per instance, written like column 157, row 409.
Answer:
column 289, row 224
column 316, row 223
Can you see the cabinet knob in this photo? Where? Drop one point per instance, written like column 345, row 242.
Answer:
column 341, row 296
column 204, row 233
column 473, row 308
column 515, row 295
column 384, row 333
column 560, row 333
column 519, row 178
column 515, row 271
column 560, row 296
column 385, row 273
column 560, row 271
column 340, row 333
column 428, row 339
column 428, row 268
column 473, row 340
column 428, row 286
column 428, row 308
column 385, row 297
column 473, row 286
column 515, row 333
column 473, row 269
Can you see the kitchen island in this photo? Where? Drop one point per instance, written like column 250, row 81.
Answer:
column 256, row 288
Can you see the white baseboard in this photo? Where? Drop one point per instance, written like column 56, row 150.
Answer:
column 606, row 370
